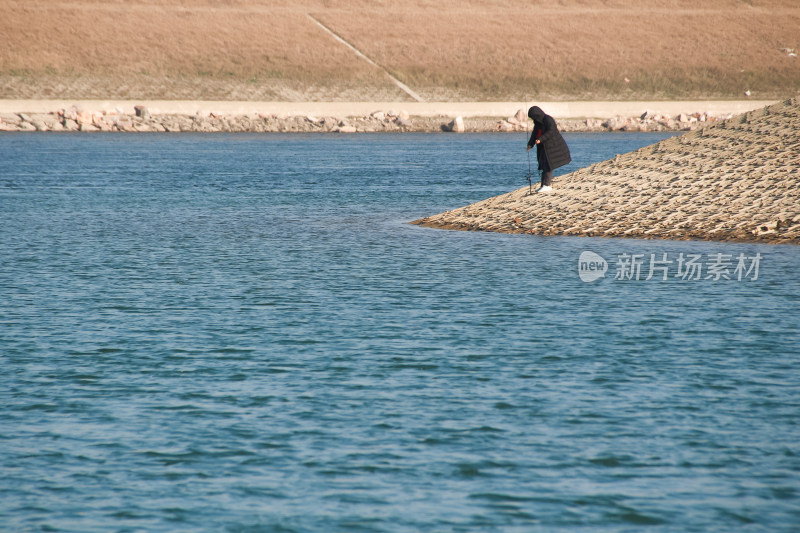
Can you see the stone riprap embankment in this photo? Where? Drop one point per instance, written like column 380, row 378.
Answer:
column 77, row 118
column 737, row 179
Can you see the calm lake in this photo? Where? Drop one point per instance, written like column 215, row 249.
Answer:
column 242, row 333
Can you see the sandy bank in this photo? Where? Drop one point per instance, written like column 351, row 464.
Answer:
column 737, row 179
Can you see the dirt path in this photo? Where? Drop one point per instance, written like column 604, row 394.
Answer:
column 420, row 109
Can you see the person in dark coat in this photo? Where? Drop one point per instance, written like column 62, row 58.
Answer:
column 552, row 151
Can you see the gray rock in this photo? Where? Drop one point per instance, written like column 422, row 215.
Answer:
column 103, row 125
column 457, row 125
column 125, row 124
column 614, row 124
column 10, row 118
column 141, row 111
column 85, row 117
column 503, row 125
column 52, row 122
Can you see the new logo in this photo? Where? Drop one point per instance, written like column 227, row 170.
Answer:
column 591, row 266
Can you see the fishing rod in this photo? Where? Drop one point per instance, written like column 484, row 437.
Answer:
column 530, row 183
column 528, row 175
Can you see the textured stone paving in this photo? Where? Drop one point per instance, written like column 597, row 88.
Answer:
column 738, row 179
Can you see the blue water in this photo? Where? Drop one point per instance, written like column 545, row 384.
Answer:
column 243, row 334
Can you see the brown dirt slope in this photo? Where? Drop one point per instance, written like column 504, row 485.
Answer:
column 517, row 50
column 734, row 180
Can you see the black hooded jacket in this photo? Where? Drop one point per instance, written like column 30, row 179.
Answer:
column 553, row 151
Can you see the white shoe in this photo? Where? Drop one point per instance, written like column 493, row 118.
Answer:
column 544, row 188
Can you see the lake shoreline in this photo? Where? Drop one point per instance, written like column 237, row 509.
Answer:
column 356, row 117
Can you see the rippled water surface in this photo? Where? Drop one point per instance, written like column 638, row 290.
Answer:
column 242, row 333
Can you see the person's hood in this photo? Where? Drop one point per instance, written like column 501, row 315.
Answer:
column 536, row 114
